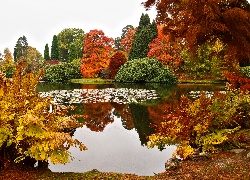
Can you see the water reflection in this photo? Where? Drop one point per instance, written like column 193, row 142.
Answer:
column 115, row 150
column 97, row 116
column 116, row 134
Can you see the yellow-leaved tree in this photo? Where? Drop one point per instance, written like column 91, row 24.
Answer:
column 29, row 131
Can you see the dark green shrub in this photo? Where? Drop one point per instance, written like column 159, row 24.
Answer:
column 145, row 70
column 62, row 71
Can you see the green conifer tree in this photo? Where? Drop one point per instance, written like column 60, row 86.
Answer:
column 20, row 48
column 46, row 52
column 54, row 49
column 145, row 33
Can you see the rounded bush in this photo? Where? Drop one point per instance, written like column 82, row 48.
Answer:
column 145, row 70
column 62, row 71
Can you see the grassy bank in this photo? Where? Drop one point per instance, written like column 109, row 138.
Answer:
column 92, row 81
column 110, row 81
column 201, row 82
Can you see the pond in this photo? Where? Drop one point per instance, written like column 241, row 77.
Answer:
column 118, row 118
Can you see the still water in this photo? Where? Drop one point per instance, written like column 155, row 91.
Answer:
column 118, row 118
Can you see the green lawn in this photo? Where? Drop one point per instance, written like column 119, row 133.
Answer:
column 92, row 81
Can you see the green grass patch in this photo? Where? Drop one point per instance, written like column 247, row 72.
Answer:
column 92, row 81
column 201, row 81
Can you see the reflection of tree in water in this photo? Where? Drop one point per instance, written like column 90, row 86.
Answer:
column 97, row 116
column 157, row 113
column 142, row 122
column 123, row 111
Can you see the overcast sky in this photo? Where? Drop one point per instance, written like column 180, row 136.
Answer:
column 39, row 20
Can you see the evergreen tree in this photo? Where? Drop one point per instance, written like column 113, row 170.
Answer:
column 73, row 53
column 54, row 49
column 145, row 33
column 20, row 48
column 144, row 21
column 46, row 52
column 154, row 30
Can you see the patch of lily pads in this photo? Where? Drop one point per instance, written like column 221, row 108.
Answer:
column 120, row 95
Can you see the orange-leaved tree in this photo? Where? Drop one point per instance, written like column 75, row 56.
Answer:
column 116, row 61
column 166, row 50
column 198, row 21
column 96, row 54
column 126, row 41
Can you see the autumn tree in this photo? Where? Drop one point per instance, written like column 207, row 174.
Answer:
column 46, row 52
column 33, row 59
column 200, row 21
column 118, row 40
column 30, row 130
column 116, row 61
column 166, row 50
column 7, row 65
column 54, row 49
column 66, row 38
column 144, row 34
column 97, row 51
column 127, row 39
column 20, row 48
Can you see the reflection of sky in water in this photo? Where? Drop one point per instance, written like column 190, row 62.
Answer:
column 115, row 150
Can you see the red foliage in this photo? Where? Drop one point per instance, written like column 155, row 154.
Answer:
column 97, row 116
column 126, row 43
column 97, row 51
column 200, row 21
column 238, row 82
column 165, row 50
column 158, row 113
column 116, row 61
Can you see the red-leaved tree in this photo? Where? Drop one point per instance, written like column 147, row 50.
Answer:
column 126, row 42
column 97, row 51
column 199, row 21
column 116, row 61
column 166, row 50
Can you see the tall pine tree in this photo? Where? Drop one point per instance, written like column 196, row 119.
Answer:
column 145, row 33
column 20, row 48
column 54, row 49
column 46, row 52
